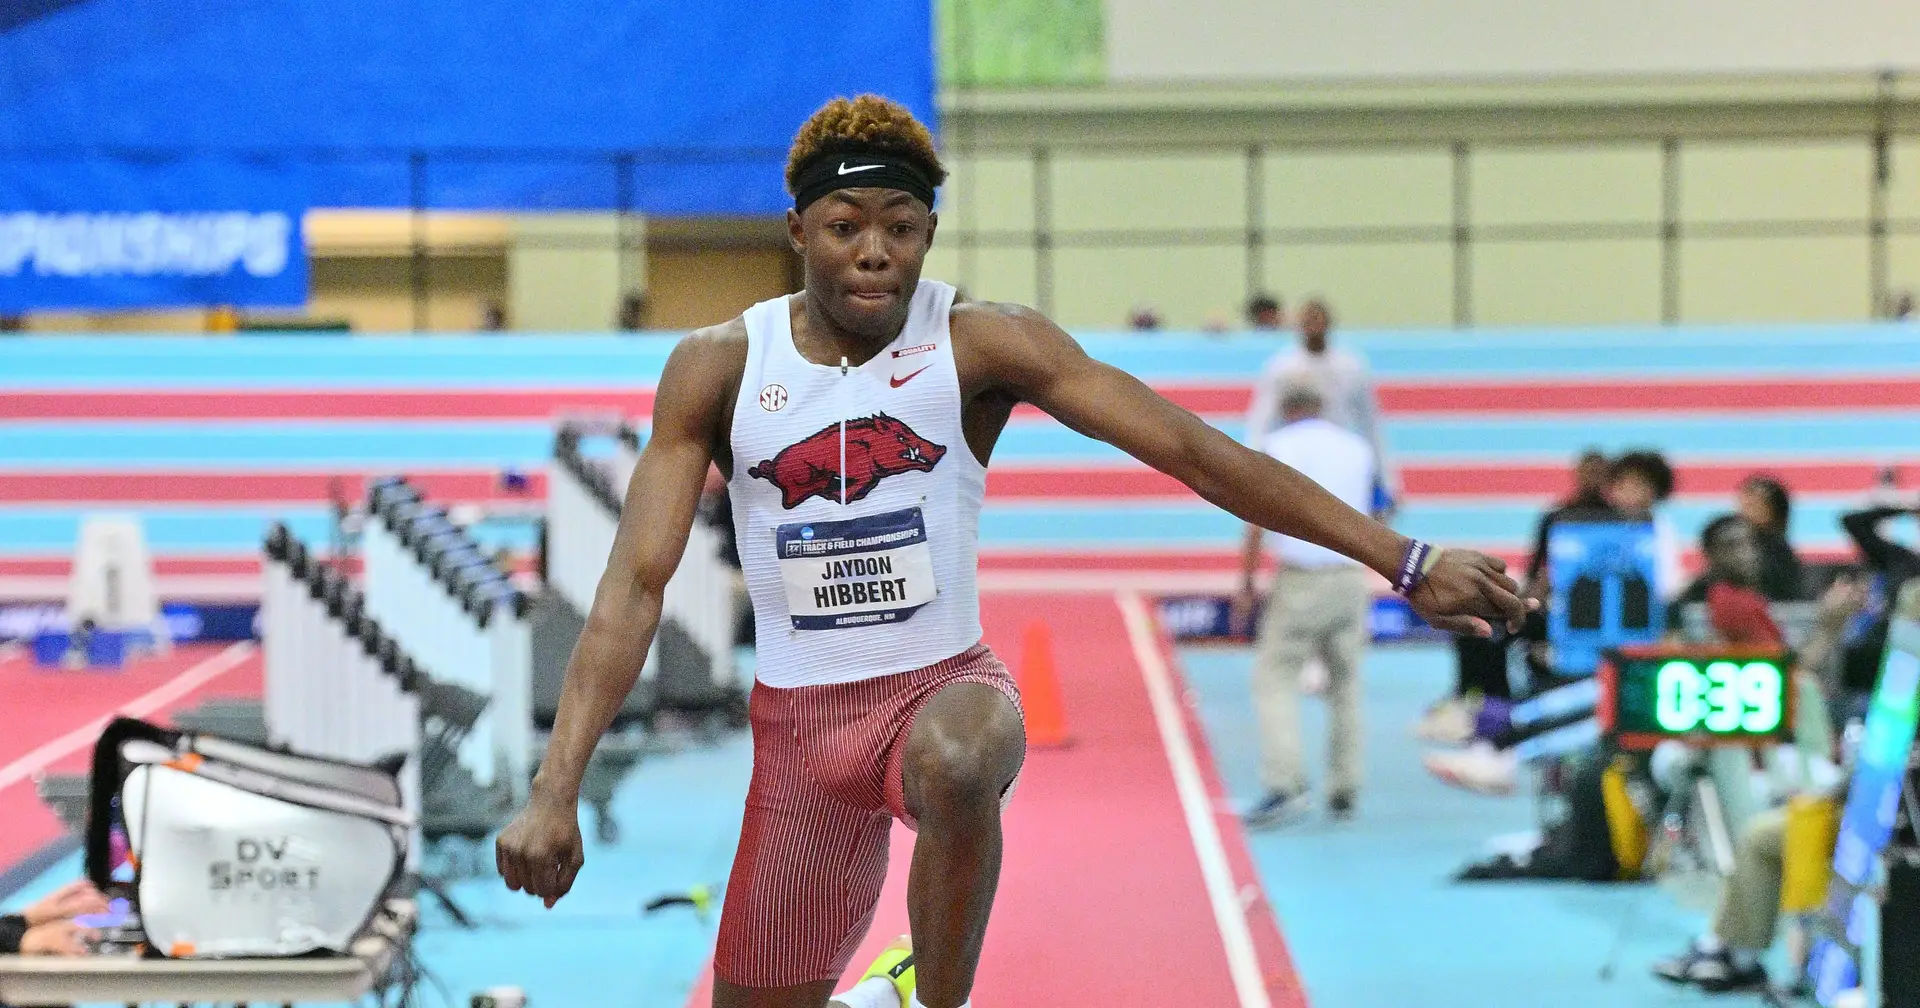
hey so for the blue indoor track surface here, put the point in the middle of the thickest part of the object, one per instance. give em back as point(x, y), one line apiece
point(531, 359)
point(1366, 906)
point(1369, 915)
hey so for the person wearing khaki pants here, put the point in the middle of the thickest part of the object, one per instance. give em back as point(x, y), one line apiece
point(1317, 610)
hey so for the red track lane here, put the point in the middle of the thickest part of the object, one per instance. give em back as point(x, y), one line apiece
point(42, 706)
point(1453, 479)
point(323, 404)
point(1101, 898)
point(1744, 395)
point(1462, 396)
point(251, 487)
point(165, 565)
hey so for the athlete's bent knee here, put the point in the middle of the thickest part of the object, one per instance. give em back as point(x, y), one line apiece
point(963, 755)
point(954, 774)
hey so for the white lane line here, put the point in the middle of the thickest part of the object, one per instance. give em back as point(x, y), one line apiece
point(160, 696)
point(1243, 963)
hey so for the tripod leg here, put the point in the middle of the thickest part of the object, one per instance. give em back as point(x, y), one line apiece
point(438, 889)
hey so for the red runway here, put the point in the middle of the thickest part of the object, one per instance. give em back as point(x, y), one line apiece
point(1125, 871)
point(1636, 394)
point(54, 717)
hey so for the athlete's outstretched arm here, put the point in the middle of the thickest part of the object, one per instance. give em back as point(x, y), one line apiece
point(541, 851)
point(1036, 361)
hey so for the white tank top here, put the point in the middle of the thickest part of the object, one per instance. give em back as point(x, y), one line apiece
point(856, 502)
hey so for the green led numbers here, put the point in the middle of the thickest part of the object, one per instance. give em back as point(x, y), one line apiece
point(1677, 705)
point(1724, 698)
point(1760, 691)
point(1723, 705)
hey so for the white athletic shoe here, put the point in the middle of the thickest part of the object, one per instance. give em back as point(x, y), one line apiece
point(1480, 768)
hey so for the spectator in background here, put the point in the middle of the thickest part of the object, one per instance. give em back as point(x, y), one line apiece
point(1144, 319)
point(1731, 546)
point(1766, 505)
point(493, 318)
point(632, 316)
point(1727, 956)
point(1560, 720)
point(1900, 306)
point(1264, 312)
point(1587, 502)
point(1889, 567)
point(1637, 483)
point(1318, 609)
point(1480, 663)
point(1346, 389)
point(48, 927)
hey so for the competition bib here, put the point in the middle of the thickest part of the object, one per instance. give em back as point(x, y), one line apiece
point(857, 572)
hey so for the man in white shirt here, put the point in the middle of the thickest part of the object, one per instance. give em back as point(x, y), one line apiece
point(1317, 611)
point(1346, 387)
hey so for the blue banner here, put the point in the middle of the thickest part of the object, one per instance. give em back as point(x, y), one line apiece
point(187, 622)
point(106, 234)
point(661, 107)
point(1603, 592)
point(1208, 618)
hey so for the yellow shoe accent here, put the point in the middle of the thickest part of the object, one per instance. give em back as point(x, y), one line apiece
point(895, 965)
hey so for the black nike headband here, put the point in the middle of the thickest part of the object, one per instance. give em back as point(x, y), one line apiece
point(829, 172)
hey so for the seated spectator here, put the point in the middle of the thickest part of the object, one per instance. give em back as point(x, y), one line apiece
point(1764, 502)
point(1635, 483)
point(1889, 566)
point(1727, 956)
point(1638, 482)
point(1560, 720)
point(48, 928)
point(1731, 546)
point(1480, 663)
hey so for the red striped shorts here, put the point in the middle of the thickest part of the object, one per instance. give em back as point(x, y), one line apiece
point(827, 765)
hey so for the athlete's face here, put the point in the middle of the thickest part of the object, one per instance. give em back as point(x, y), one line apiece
point(863, 250)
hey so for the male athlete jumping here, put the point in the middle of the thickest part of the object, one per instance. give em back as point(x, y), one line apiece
point(854, 421)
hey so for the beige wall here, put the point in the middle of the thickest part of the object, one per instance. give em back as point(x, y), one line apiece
point(1565, 204)
point(375, 293)
point(1269, 39)
point(566, 272)
point(690, 288)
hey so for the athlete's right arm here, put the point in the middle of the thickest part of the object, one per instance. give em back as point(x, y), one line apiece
point(541, 851)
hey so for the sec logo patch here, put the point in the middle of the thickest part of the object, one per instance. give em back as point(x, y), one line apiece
point(773, 398)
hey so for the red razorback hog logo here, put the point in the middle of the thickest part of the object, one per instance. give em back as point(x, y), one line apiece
point(877, 447)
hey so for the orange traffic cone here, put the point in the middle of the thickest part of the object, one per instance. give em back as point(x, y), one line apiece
point(1040, 689)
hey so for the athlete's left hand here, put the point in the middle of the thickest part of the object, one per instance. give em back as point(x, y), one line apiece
point(69, 901)
point(1466, 592)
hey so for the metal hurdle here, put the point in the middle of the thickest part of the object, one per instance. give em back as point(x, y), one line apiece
point(335, 684)
point(584, 501)
point(460, 618)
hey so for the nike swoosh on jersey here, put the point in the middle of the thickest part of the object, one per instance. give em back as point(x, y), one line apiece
point(897, 381)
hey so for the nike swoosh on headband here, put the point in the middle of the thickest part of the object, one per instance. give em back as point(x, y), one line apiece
point(844, 170)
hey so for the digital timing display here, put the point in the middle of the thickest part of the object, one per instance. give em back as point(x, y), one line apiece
point(1724, 696)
